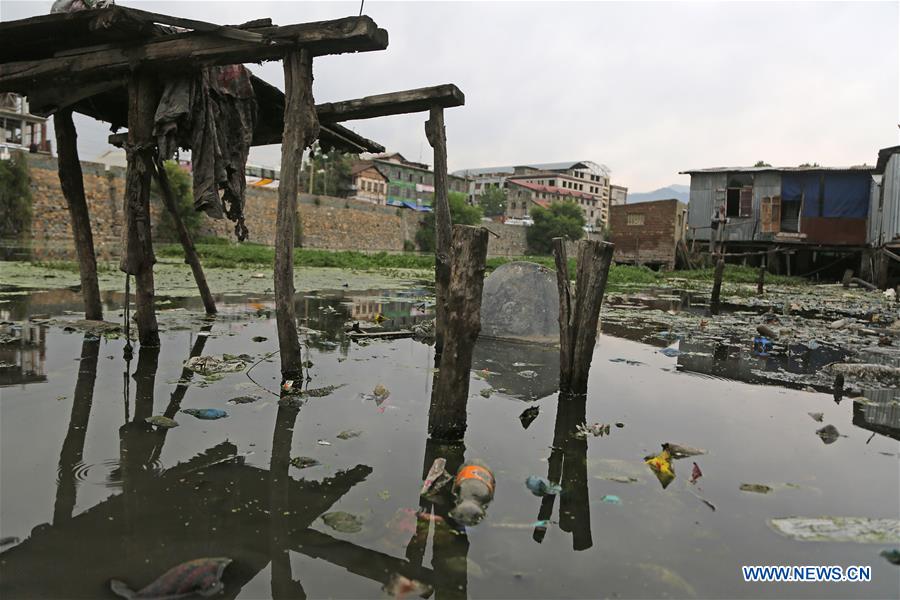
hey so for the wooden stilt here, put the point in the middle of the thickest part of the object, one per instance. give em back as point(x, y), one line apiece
point(761, 282)
point(138, 258)
point(437, 138)
point(184, 236)
point(72, 184)
point(714, 300)
point(301, 127)
point(579, 311)
point(447, 415)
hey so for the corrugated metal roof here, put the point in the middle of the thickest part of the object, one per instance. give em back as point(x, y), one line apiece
point(883, 155)
point(862, 168)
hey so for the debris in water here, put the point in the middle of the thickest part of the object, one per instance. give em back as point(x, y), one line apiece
point(829, 434)
point(529, 415)
point(400, 587)
point(349, 433)
point(672, 350)
point(343, 521)
point(696, 473)
point(473, 490)
point(756, 488)
point(527, 374)
point(621, 478)
point(541, 486)
point(384, 494)
point(661, 465)
point(379, 394)
point(486, 392)
point(202, 576)
point(630, 363)
point(207, 414)
point(259, 338)
point(620, 425)
point(839, 529)
point(161, 421)
point(323, 442)
point(243, 400)
point(678, 451)
point(596, 429)
point(611, 499)
point(892, 555)
point(302, 462)
point(817, 416)
point(211, 365)
point(436, 479)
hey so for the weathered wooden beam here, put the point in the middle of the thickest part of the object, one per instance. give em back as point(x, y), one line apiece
point(226, 31)
point(138, 258)
point(394, 103)
point(301, 128)
point(714, 299)
point(447, 415)
point(579, 311)
point(72, 183)
point(437, 138)
point(192, 50)
point(190, 252)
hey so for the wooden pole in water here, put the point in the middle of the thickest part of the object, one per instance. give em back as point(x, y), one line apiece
point(184, 236)
point(717, 287)
point(579, 311)
point(447, 415)
point(761, 282)
point(437, 138)
point(138, 258)
point(72, 183)
point(301, 128)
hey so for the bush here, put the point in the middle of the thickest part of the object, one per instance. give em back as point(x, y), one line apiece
point(409, 246)
point(460, 214)
point(15, 197)
point(182, 190)
point(561, 219)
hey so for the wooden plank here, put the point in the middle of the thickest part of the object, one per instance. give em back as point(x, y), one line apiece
point(437, 137)
point(394, 103)
point(192, 50)
point(380, 335)
point(222, 30)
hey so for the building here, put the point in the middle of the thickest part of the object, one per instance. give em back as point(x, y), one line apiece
point(884, 207)
point(648, 233)
point(369, 183)
point(409, 183)
point(522, 195)
point(823, 206)
point(21, 130)
point(618, 194)
point(584, 176)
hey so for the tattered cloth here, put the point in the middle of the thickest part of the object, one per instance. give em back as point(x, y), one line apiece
point(213, 113)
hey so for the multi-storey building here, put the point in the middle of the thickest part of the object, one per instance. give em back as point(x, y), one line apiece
point(410, 183)
point(369, 183)
point(585, 182)
point(20, 129)
point(522, 195)
point(618, 195)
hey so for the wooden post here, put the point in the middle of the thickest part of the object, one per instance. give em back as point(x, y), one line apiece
point(761, 282)
point(437, 138)
point(447, 415)
point(717, 287)
point(848, 275)
point(184, 236)
point(882, 264)
point(138, 258)
point(72, 184)
point(301, 128)
point(579, 312)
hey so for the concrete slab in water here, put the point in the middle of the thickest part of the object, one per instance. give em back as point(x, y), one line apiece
point(520, 302)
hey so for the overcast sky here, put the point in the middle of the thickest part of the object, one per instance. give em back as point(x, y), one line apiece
point(648, 89)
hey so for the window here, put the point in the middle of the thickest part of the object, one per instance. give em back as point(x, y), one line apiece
point(634, 219)
point(739, 201)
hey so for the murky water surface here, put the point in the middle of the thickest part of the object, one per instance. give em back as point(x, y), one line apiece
point(93, 493)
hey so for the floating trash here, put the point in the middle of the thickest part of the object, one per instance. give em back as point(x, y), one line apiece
point(161, 421)
point(343, 521)
point(348, 434)
point(541, 486)
point(207, 414)
point(303, 462)
point(839, 529)
point(611, 499)
point(202, 576)
point(756, 488)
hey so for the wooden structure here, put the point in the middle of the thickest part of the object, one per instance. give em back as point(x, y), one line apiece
point(110, 63)
point(579, 309)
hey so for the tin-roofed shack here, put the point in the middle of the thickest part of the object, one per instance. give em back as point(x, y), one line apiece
point(823, 206)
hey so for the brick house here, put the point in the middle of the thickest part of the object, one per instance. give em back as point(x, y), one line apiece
point(369, 183)
point(647, 233)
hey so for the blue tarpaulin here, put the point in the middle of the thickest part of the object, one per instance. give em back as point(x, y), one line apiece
point(846, 195)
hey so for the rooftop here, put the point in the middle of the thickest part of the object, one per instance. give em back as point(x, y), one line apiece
point(862, 168)
point(537, 187)
point(595, 168)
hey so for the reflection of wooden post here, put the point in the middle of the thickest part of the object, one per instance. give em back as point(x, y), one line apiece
point(280, 520)
point(447, 416)
point(138, 259)
point(579, 311)
point(72, 183)
point(437, 138)
point(184, 236)
point(301, 127)
point(717, 287)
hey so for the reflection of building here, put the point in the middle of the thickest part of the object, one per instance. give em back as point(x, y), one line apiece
point(21, 129)
point(23, 360)
point(506, 360)
point(878, 411)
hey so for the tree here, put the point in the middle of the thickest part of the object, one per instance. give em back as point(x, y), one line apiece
point(460, 214)
point(183, 190)
point(562, 219)
point(815, 164)
point(493, 202)
point(762, 163)
point(330, 173)
point(15, 197)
